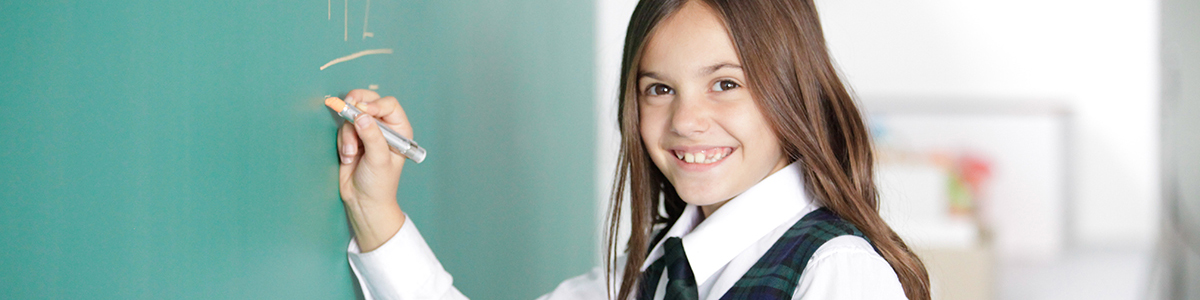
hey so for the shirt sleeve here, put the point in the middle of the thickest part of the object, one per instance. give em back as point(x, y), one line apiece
point(405, 268)
point(589, 286)
point(845, 268)
point(402, 268)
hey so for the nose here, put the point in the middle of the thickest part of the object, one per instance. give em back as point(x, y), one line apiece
point(691, 115)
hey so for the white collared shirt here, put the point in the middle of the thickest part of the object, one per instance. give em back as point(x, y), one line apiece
point(720, 249)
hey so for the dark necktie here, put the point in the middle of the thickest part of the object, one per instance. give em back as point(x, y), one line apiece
point(681, 283)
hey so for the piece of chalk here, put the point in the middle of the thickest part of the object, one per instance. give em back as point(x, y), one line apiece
point(335, 104)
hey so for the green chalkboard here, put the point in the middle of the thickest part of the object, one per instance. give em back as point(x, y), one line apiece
point(180, 149)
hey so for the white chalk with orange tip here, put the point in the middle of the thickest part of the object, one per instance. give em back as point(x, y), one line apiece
point(405, 146)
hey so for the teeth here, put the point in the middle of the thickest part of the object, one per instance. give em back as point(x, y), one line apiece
point(700, 157)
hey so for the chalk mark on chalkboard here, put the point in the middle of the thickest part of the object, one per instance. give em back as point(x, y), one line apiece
point(356, 55)
point(329, 10)
point(373, 87)
point(366, 16)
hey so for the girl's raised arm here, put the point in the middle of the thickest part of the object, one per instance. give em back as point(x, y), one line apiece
point(369, 174)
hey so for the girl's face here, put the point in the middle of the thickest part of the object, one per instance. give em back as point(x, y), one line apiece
point(699, 122)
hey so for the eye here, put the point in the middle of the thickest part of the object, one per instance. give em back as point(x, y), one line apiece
point(724, 85)
point(659, 89)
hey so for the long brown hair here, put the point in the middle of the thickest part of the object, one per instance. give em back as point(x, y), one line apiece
point(789, 73)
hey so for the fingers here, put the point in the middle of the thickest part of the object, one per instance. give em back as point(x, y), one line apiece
point(375, 147)
point(348, 144)
point(361, 95)
point(349, 150)
point(388, 110)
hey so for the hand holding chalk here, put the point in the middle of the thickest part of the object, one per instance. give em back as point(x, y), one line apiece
point(401, 144)
point(370, 170)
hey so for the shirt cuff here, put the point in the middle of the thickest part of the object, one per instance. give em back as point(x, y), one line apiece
point(402, 268)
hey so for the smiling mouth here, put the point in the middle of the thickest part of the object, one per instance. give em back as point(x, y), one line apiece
point(706, 156)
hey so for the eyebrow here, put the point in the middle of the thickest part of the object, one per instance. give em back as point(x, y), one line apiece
point(649, 74)
point(703, 72)
point(714, 68)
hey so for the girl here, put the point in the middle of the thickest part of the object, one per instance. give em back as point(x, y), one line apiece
point(747, 165)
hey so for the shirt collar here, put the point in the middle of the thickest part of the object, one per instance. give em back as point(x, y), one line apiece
point(711, 243)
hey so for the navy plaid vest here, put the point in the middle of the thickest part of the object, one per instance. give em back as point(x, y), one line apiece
point(777, 272)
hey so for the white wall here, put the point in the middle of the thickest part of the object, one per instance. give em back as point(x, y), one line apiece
point(612, 16)
point(1099, 58)
point(1180, 259)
